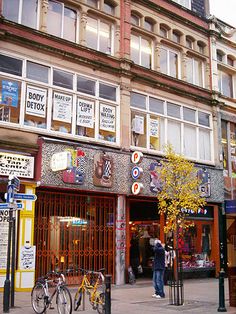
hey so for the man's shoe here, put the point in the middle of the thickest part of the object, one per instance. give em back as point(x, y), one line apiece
point(158, 296)
point(154, 295)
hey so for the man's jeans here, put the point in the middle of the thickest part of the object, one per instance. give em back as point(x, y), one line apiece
point(158, 282)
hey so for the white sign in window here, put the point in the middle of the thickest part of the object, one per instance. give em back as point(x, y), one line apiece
point(107, 118)
point(138, 124)
point(85, 113)
point(36, 101)
point(62, 107)
point(18, 165)
point(154, 128)
point(27, 257)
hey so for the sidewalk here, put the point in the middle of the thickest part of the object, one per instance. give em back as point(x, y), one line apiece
point(200, 296)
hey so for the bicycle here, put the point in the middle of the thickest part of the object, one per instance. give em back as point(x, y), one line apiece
point(41, 298)
point(96, 296)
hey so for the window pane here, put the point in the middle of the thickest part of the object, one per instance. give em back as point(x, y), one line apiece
point(163, 32)
point(174, 135)
point(156, 105)
point(146, 52)
point(227, 89)
point(107, 123)
point(176, 37)
point(11, 10)
point(198, 72)
point(173, 110)
point(138, 101)
point(148, 25)
point(93, 3)
point(189, 114)
point(135, 20)
point(204, 144)
point(154, 132)
point(135, 49)
point(203, 118)
point(190, 70)
point(173, 60)
point(108, 8)
point(69, 24)
point(138, 128)
point(190, 141)
point(62, 79)
point(54, 18)
point(85, 85)
point(36, 100)
point(163, 61)
point(10, 94)
point(10, 65)
point(61, 112)
point(105, 38)
point(107, 92)
point(29, 13)
point(85, 117)
point(37, 72)
point(92, 33)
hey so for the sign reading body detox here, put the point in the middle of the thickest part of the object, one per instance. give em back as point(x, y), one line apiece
point(36, 101)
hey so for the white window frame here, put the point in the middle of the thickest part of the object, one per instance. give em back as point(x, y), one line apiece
point(140, 37)
point(180, 120)
point(75, 94)
point(180, 2)
point(193, 64)
point(168, 61)
point(220, 82)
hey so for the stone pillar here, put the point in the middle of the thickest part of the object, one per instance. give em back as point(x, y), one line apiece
point(183, 65)
point(125, 114)
point(120, 239)
point(157, 51)
point(117, 41)
point(43, 16)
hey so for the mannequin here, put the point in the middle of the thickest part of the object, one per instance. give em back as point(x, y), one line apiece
point(206, 242)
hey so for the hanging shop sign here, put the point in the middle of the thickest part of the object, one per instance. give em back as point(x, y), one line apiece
point(76, 173)
point(62, 107)
point(15, 164)
point(136, 157)
point(205, 182)
point(206, 212)
point(103, 170)
point(10, 93)
point(36, 99)
point(136, 172)
point(137, 188)
point(61, 161)
point(107, 118)
point(85, 113)
point(155, 183)
point(230, 207)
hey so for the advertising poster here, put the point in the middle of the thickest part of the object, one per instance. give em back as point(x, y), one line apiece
point(27, 257)
point(107, 118)
point(10, 93)
point(18, 165)
point(36, 101)
point(154, 127)
point(85, 113)
point(62, 107)
point(4, 226)
point(138, 124)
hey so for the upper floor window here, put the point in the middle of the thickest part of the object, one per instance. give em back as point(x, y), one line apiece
point(163, 31)
point(99, 35)
point(169, 62)
point(109, 8)
point(201, 47)
point(230, 61)
point(141, 51)
point(184, 3)
point(37, 72)
point(225, 83)
point(135, 19)
point(21, 11)
point(189, 42)
point(148, 25)
point(61, 21)
point(10, 65)
point(176, 37)
point(93, 3)
point(219, 55)
point(194, 71)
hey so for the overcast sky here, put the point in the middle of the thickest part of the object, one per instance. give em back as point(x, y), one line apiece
point(225, 10)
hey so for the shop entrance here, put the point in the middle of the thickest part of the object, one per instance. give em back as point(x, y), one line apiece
point(74, 230)
point(144, 227)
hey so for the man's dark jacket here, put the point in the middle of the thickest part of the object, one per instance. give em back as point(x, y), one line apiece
point(159, 257)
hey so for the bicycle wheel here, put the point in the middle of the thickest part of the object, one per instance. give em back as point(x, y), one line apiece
point(38, 298)
point(78, 299)
point(100, 303)
point(64, 301)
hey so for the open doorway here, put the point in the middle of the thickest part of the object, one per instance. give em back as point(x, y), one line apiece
point(144, 227)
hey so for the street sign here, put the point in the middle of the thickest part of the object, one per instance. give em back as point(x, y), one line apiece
point(12, 206)
point(22, 196)
point(4, 205)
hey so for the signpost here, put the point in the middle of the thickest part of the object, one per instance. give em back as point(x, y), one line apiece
point(11, 197)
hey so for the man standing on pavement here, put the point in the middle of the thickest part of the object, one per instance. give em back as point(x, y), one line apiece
point(158, 270)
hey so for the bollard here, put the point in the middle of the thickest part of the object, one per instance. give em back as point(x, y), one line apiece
point(221, 307)
point(107, 294)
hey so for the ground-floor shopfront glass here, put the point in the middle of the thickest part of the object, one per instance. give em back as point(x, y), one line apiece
point(74, 230)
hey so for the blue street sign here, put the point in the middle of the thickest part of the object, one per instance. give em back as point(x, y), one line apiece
point(22, 196)
point(4, 206)
point(19, 205)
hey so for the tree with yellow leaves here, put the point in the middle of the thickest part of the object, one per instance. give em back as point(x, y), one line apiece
point(179, 190)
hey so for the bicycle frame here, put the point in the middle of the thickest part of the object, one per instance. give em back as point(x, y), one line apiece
point(61, 281)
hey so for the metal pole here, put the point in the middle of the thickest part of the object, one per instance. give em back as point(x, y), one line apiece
point(221, 307)
point(13, 257)
point(107, 294)
point(7, 283)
